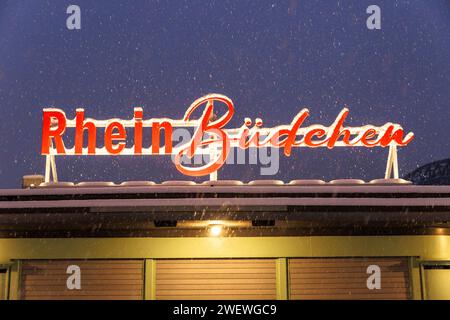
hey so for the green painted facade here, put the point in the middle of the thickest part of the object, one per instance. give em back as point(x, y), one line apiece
point(422, 251)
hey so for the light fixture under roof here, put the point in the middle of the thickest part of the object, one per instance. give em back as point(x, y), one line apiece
point(215, 230)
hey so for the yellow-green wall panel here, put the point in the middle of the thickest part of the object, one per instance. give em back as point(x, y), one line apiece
point(282, 279)
point(425, 247)
point(436, 283)
point(150, 279)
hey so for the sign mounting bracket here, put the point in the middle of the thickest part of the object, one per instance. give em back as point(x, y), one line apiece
point(50, 166)
point(392, 163)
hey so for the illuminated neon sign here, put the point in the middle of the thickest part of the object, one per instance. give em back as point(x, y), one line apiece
point(209, 132)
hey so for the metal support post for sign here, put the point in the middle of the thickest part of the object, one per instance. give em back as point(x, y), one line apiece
point(213, 176)
point(212, 148)
point(392, 163)
point(212, 154)
point(50, 165)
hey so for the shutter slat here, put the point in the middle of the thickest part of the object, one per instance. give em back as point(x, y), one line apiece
point(216, 279)
point(100, 280)
point(346, 278)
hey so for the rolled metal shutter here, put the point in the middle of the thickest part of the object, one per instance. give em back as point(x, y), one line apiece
point(3, 284)
point(100, 280)
point(346, 278)
point(216, 279)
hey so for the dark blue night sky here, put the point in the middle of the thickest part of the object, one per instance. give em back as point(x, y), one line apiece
point(271, 57)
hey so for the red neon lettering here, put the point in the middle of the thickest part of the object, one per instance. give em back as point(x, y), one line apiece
point(319, 133)
point(397, 136)
point(156, 131)
point(214, 128)
point(210, 132)
point(111, 137)
point(79, 130)
point(290, 140)
point(367, 136)
point(337, 132)
point(138, 115)
point(48, 132)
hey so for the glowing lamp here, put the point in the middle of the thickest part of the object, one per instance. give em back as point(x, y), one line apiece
point(215, 230)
